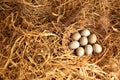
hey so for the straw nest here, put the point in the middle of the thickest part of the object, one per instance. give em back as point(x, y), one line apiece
point(34, 37)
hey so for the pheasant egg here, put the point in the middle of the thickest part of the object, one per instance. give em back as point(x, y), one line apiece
point(74, 45)
point(85, 32)
point(92, 39)
point(80, 51)
point(88, 49)
point(83, 41)
point(97, 48)
point(76, 36)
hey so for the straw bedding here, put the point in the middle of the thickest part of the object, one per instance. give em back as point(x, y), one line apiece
point(34, 37)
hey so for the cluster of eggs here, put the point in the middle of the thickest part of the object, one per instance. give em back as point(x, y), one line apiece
point(85, 42)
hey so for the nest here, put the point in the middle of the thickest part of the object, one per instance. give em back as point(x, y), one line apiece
point(77, 28)
point(34, 37)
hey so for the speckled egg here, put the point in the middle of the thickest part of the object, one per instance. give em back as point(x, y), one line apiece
point(92, 39)
point(97, 48)
point(80, 51)
point(88, 49)
point(74, 45)
point(83, 41)
point(76, 36)
point(85, 32)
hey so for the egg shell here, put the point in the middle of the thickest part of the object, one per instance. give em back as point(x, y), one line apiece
point(88, 49)
point(83, 41)
point(74, 45)
point(97, 48)
point(85, 32)
point(76, 36)
point(80, 51)
point(92, 39)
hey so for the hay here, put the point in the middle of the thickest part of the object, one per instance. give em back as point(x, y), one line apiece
point(34, 37)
